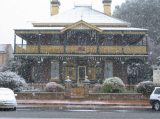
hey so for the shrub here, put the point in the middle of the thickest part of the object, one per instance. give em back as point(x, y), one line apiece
point(97, 88)
point(54, 87)
point(145, 87)
point(11, 80)
point(113, 85)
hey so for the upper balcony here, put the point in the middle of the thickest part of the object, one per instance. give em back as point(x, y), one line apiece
point(81, 49)
point(81, 42)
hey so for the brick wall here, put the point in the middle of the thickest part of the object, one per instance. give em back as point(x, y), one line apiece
point(116, 96)
point(41, 95)
point(90, 96)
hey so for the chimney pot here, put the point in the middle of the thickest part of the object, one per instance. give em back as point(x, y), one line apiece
point(54, 7)
point(107, 7)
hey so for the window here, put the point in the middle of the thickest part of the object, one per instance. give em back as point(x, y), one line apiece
point(157, 91)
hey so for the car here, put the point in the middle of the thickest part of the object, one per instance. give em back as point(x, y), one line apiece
point(155, 99)
point(7, 99)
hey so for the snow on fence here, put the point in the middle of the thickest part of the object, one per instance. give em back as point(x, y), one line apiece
point(40, 87)
point(35, 87)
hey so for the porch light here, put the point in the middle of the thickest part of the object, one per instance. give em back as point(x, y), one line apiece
point(53, 61)
point(150, 53)
point(68, 85)
point(86, 81)
point(68, 80)
point(41, 59)
point(137, 64)
point(122, 62)
point(64, 62)
point(97, 62)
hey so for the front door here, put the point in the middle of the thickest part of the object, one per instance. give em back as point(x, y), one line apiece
point(81, 74)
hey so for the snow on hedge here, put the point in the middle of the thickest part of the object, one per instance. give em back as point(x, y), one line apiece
point(113, 85)
point(54, 87)
point(145, 87)
point(11, 80)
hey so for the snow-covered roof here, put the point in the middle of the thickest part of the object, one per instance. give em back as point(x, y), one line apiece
point(85, 13)
point(122, 29)
point(6, 48)
point(40, 28)
point(102, 28)
point(3, 48)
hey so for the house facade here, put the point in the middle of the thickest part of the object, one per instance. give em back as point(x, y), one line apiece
point(6, 53)
point(80, 42)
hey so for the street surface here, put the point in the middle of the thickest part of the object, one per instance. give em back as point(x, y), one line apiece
point(80, 114)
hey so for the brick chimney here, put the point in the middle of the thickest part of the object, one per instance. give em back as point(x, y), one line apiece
point(107, 7)
point(54, 7)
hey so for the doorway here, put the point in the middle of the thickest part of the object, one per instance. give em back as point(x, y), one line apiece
point(81, 74)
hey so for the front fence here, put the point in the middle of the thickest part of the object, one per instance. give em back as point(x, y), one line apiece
point(38, 87)
point(35, 87)
point(37, 91)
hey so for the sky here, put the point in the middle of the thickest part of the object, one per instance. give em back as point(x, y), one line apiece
point(16, 13)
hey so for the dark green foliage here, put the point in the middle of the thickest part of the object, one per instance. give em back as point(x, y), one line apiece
point(145, 87)
point(158, 61)
point(138, 72)
point(141, 13)
point(108, 89)
point(25, 70)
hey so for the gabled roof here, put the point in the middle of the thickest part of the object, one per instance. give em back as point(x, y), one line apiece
point(81, 25)
point(85, 13)
point(80, 17)
point(4, 48)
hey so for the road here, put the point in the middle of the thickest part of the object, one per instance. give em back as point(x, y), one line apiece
point(80, 114)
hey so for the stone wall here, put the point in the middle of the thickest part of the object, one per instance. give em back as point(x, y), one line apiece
point(116, 96)
point(40, 95)
point(90, 96)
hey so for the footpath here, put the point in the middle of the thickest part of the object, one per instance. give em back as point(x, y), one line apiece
point(83, 104)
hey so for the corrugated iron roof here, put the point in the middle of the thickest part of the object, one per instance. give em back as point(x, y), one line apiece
point(85, 13)
point(102, 28)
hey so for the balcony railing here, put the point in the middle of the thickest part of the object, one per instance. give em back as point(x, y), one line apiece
point(123, 49)
point(110, 49)
point(81, 49)
point(51, 49)
point(77, 49)
point(26, 49)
